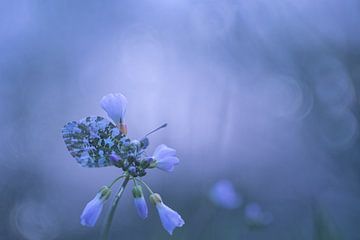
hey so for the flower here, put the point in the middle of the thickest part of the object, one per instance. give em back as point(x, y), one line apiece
point(165, 158)
point(169, 218)
point(93, 209)
point(224, 195)
point(139, 202)
point(114, 105)
point(255, 216)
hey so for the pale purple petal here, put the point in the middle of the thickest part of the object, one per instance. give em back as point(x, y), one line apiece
point(167, 164)
point(164, 151)
point(115, 106)
point(165, 158)
point(92, 211)
point(141, 207)
point(169, 218)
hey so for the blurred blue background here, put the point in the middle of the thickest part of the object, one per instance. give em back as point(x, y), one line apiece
point(260, 95)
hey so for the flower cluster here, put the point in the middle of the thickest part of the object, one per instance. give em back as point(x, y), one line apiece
point(95, 142)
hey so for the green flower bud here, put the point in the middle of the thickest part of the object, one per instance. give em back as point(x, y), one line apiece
point(153, 164)
point(155, 198)
point(105, 192)
point(136, 143)
point(137, 191)
point(144, 143)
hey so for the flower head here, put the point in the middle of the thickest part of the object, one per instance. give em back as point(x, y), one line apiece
point(224, 195)
point(93, 208)
point(97, 142)
point(165, 158)
point(114, 105)
point(169, 218)
point(139, 202)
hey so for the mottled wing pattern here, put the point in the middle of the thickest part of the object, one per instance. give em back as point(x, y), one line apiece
point(92, 140)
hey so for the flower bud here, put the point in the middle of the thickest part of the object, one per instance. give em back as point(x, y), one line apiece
point(145, 163)
point(144, 143)
point(141, 173)
point(114, 157)
point(170, 219)
point(139, 202)
point(132, 170)
point(105, 192)
point(155, 198)
point(94, 208)
point(137, 191)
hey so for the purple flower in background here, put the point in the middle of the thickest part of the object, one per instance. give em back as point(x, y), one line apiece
point(224, 195)
point(165, 158)
point(93, 208)
point(256, 216)
point(114, 105)
point(170, 219)
point(139, 202)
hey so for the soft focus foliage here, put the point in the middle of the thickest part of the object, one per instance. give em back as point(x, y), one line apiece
point(263, 93)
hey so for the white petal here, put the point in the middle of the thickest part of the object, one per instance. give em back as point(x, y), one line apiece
point(92, 211)
point(163, 151)
point(167, 164)
point(115, 106)
point(169, 218)
point(141, 207)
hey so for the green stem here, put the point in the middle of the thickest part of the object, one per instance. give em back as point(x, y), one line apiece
point(135, 183)
point(143, 183)
point(113, 208)
point(115, 180)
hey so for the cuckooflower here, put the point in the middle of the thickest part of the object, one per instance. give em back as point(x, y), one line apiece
point(224, 195)
point(114, 105)
point(139, 202)
point(165, 158)
point(93, 209)
point(169, 218)
point(96, 142)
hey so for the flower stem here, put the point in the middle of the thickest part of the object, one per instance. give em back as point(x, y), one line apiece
point(143, 183)
point(116, 179)
point(110, 217)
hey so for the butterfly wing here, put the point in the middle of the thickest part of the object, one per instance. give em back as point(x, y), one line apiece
point(92, 140)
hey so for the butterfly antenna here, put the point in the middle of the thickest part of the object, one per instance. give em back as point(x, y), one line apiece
point(162, 126)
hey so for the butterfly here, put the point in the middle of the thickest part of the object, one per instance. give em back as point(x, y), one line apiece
point(92, 141)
